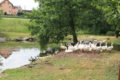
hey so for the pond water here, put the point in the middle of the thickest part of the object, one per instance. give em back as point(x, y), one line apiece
point(19, 58)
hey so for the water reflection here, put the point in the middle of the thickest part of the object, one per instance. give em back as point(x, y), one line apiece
point(19, 58)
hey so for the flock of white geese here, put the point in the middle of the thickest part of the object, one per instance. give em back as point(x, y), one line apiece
point(88, 46)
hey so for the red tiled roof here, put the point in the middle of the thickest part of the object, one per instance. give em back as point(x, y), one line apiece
point(6, 0)
point(9, 2)
point(2, 1)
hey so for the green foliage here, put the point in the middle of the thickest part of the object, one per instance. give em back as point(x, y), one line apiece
point(56, 19)
point(110, 33)
point(111, 12)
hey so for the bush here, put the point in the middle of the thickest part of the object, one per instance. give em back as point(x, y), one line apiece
point(110, 33)
point(108, 38)
point(20, 14)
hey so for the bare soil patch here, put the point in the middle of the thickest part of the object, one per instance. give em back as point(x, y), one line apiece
point(65, 69)
point(42, 63)
point(74, 55)
point(46, 63)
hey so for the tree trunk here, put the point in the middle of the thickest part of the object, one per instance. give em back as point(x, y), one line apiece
point(117, 34)
point(116, 31)
point(72, 25)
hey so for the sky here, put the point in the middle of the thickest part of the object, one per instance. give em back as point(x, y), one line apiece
point(25, 4)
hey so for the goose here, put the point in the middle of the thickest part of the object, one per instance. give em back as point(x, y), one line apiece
point(99, 48)
point(70, 46)
point(63, 47)
point(81, 46)
point(69, 49)
point(86, 48)
point(104, 47)
point(90, 47)
point(76, 46)
point(94, 47)
point(110, 47)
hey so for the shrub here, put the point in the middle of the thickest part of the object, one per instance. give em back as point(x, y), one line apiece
point(108, 38)
point(110, 33)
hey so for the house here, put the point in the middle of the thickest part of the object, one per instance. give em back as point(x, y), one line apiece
point(8, 8)
point(29, 11)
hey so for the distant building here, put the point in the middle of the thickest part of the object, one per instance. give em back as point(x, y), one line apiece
point(8, 8)
point(27, 11)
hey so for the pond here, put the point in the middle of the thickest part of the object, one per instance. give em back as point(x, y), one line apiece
point(19, 58)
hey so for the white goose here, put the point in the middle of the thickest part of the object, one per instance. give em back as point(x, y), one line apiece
point(110, 47)
point(94, 46)
point(87, 47)
point(63, 47)
point(76, 46)
point(90, 47)
point(104, 47)
point(99, 48)
point(81, 46)
point(69, 49)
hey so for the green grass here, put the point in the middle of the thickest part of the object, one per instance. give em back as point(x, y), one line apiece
point(69, 68)
point(101, 67)
point(25, 45)
point(65, 68)
point(13, 16)
point(14, 27)
point(19, 45)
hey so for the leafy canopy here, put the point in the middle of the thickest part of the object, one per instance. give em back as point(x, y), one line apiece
point(56, 19)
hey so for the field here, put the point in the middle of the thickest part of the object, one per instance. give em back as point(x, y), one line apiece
point(73, 66)
point(14, 27)
point(69, 67)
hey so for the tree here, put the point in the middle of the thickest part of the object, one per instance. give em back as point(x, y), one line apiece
point(93, 19)
point(54, 20)
point(114, 15)
point(111, 9)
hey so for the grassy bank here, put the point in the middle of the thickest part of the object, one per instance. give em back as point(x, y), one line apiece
point(74, 66)
point(14, 27)
point(69, 67)
point(102, 66)
point(19, 45)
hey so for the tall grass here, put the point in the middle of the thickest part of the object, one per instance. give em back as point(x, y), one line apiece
point(68, 68)
point(14, 27)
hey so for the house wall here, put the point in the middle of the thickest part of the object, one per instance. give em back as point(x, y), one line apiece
point(8, 8)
